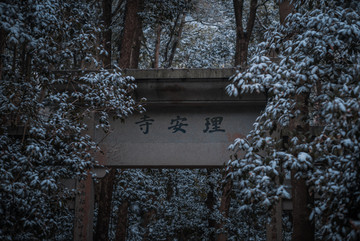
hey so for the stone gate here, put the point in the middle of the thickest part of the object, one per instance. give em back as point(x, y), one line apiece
point(189, 123)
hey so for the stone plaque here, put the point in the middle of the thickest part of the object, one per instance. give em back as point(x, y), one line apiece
point(177, 137)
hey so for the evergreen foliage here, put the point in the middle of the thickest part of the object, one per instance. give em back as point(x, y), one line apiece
point(313, 98)
point(43, 136)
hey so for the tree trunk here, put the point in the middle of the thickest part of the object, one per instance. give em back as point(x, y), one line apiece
point(135, 55)
point(169, 195)
point(25, 65)
point(157, 47)
point(131, 39)
point(243, 36)
point(176, 40)
point(107, 17)
point(121, 227)
point(104, 211)
point(22, 65)
point(147, 218)
point(285, 8)
point(303, 229)
point(224, 209)
point(241, 52)
point(2, 47)
point(14, 59)
point(28, 66)
point(172, 33)
point(210, 203)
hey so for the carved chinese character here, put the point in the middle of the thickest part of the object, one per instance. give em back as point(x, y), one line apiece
point(213, 124)
point(144, 124)
point(177, 124)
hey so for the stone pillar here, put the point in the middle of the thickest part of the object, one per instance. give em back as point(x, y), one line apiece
point(274, 228)
point(84, 210)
